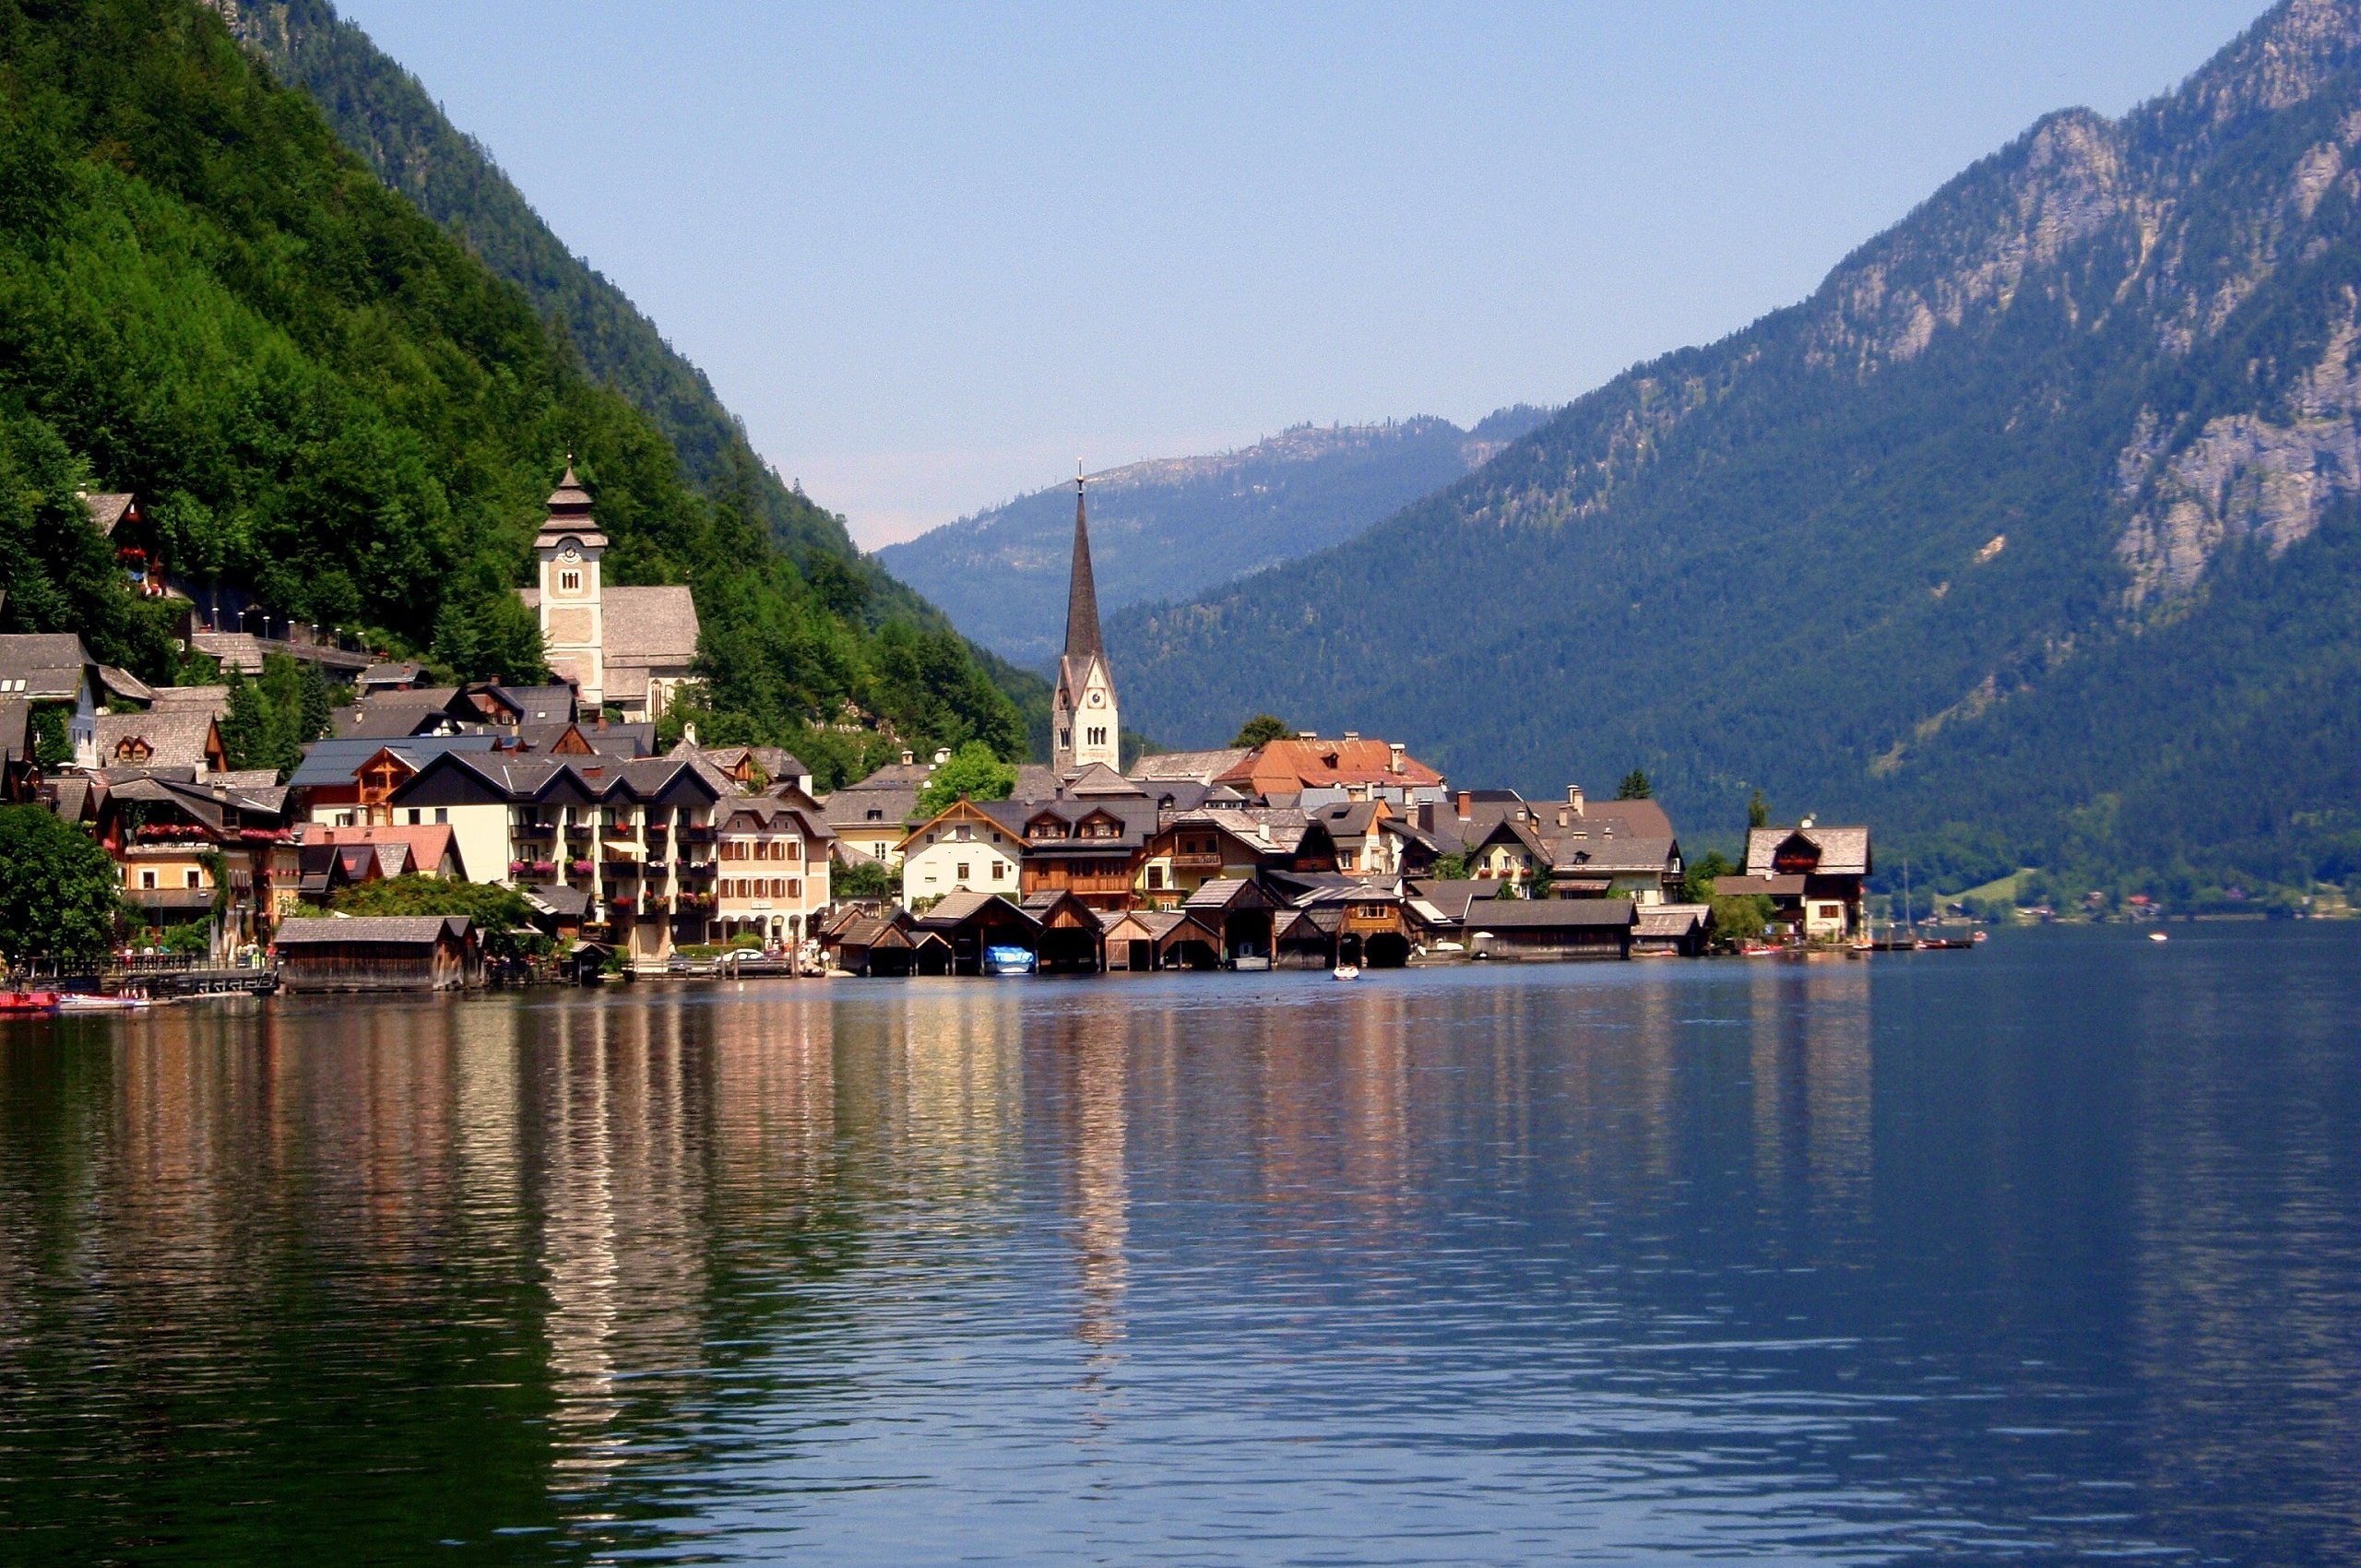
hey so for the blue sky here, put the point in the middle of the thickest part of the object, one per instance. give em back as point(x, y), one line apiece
point(932, 254)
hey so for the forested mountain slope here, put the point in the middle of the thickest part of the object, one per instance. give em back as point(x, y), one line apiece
point(1177, 525)
point(206, 299)
point(2032, 534)
point(383, 114)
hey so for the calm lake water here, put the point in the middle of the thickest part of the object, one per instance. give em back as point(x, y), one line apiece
point(2045, 1251)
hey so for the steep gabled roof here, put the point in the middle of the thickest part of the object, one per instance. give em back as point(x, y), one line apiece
point(1844, 852)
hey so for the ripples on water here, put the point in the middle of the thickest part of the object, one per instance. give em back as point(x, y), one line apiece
point(2043, 1252)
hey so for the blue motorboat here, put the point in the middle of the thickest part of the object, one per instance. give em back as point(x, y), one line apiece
point(1009, 961)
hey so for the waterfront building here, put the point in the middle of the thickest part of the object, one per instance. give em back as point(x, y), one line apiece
point(1084, 724)
point(634, 835)
point(771, 874)
point(379, 952)
point(1089, 845)
point(169, 835)
point(630, 649)
point(1812, 875)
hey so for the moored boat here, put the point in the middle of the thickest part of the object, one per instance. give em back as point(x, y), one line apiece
point(27, 1003)
point(1345, 972)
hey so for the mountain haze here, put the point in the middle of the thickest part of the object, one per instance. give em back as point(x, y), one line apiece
point(2032, 533)
point(1178, 524)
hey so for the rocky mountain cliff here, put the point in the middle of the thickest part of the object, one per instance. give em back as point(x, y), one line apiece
point(2029, 534)
point(1176, 525)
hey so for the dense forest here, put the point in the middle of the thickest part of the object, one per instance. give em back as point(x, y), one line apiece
point(2029, 537)
point(204, 297)
point(1176, 525)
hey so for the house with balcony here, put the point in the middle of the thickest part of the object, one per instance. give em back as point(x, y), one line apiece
point(771, 858)
point(176, 842)
point(635, 834)
point(1813, 876)
point(1089, 847)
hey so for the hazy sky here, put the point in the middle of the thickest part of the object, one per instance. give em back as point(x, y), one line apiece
point(932, 254)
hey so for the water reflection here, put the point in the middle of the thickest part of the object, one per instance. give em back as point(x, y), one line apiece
point(2049, 1252)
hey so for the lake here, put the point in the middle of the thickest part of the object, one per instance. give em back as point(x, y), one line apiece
point(2048, 1251)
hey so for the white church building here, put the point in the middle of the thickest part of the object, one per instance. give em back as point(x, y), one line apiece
point(629, 649)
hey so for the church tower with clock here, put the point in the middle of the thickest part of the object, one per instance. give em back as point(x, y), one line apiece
point(1083, 728)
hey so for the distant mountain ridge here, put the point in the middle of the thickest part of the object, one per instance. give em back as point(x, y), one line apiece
point(2033, 535)
point(1172, 525)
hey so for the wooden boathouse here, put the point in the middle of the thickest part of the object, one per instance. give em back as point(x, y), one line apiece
point(379, 952)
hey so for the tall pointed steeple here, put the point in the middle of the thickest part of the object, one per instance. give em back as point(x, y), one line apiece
point(1082, 591)
point(1084, 728)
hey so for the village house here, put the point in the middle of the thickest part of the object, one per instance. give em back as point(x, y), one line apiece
point(966, 848)
point(872, 818)
point(1813, 876)
point(169, 837)
point(1281, 771)
point(635, 834)
point(1089, 847)
point(772, 871)
point(1193, 848)
point(630, 649)
point(59, 682)
point(179, 735)
point(329, 859)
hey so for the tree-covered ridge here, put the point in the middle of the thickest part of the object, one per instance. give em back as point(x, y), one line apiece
point(1175, 525)
point(206, 299)
point(383, 114)
point(2080, 431)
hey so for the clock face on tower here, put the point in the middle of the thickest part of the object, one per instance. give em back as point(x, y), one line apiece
point(1098, 699)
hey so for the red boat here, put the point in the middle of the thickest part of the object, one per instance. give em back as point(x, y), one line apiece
point(27, 1003)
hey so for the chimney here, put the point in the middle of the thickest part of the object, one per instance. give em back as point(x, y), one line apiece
point(1574, 798)
point(1425, 816)
point(908, 756)
point(1307, 734)
point(1563, 813)
point(1352, 735)
point(1394, 758)
point(1466, 800)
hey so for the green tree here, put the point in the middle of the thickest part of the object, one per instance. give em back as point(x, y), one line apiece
point(315, 704)
point(1757, 814)
point(972, 774)
point(59, 893)
point(1704, 871)
point(499, 914)
point(1450, 868)
point(1635, 787)
point(870, 879)
point(1739, 920)
point(260, 727)
point(1261, 731)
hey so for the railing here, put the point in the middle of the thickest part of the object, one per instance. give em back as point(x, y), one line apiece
point(694, 833)
point(620, 870)
point(533, 830)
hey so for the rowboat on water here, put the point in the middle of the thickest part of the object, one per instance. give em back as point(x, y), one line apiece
point(1345, 972)
point(27, 1003)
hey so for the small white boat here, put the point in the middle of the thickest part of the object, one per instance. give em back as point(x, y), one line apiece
point(1250, 962)
point(2158, 936)
point(1346, 971)
point(72, 1002)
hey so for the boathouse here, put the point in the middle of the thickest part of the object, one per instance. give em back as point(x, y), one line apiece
point(379, 952)
point(1548, 929)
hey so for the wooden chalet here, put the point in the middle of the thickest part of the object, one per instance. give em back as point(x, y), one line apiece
point(1092, 848)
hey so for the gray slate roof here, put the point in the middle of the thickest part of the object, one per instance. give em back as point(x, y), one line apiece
point(176, 737)
point(1844, 852)
point(334, 761)
point(1199, 767)
point(53, 665)
point(387, 930)
point(1543, 914)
